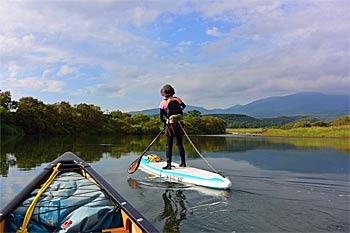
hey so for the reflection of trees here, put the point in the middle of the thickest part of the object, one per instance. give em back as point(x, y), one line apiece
point(230, 144)
point(6, 161)
point(241, 144)
point(32, 151)
point(174, 210)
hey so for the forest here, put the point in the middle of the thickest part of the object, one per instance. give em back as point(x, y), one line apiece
point(30, 116)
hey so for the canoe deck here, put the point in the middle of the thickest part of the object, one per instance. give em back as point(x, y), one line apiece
point(70, 196)
point(69, 199)
point(185, 174)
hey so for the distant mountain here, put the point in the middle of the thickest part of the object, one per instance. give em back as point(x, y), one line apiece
point(306, 103)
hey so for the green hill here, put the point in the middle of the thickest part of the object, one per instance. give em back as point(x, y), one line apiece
point(244, 121)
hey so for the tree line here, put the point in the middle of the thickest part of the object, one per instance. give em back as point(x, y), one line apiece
point(30, 116)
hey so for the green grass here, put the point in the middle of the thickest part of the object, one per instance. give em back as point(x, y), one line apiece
point(244, 131)
point(334, 131)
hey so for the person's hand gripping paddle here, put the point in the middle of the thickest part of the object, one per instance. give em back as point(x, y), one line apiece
point(135, 165)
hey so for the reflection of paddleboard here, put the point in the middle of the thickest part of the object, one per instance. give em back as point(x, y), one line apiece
point(190, 175)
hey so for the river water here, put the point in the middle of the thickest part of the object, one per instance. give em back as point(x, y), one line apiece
point(278, 184)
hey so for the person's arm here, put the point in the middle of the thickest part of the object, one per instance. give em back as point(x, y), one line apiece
point(162, 115)
point(183, 105)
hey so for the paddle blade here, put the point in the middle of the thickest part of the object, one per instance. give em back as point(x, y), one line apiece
point(133, 167)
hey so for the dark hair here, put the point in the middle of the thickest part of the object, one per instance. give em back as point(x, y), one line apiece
point(167, 90)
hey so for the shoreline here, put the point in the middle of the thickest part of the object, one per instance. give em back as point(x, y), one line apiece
point(342, 131)
point(285, 136)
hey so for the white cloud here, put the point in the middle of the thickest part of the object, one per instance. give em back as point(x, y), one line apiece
point(243, 50)
point(102, 89)
point(47, 72)
point(141, 16)
point(12, 47)
point(186, 43)
point(214, 32)
point(35, 84)
point(13, 70)
point(65, 70)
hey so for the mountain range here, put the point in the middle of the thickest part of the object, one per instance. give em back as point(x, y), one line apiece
point(305, 103)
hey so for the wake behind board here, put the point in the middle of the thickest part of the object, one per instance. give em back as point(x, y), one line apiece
point(184, 174)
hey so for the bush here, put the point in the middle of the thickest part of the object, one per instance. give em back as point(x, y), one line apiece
point(287, 126)
point(320, 124)
point(344, 120)
point(302, 124)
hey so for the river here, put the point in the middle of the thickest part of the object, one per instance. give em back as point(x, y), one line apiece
point(278, 184)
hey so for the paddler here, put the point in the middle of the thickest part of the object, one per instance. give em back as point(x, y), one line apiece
point(171, 113)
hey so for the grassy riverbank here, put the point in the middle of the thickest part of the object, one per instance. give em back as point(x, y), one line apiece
point(331, 131)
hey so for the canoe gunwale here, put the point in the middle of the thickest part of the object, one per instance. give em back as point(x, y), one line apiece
point(70, 161)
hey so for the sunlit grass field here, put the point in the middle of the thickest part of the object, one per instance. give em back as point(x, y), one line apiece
point(244, 131)
point(334, 136)
point(332, 131)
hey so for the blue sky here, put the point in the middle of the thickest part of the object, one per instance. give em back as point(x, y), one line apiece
point(216, 54)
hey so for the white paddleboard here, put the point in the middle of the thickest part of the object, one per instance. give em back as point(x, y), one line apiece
point(185, 174)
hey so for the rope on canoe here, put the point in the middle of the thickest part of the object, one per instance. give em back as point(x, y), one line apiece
point(29, 212)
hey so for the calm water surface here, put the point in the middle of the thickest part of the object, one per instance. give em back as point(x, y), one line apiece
point(278, 185)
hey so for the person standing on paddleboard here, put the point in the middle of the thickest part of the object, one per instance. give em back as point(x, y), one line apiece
point(171, 112)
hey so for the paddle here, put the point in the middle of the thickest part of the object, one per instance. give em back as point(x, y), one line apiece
point(135, 165)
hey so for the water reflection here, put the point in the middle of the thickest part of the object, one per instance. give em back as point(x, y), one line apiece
point(174, 200)
point(272, 178)
point(31, 152)
point(174, 210)
point(133, 183)
point(10, 160)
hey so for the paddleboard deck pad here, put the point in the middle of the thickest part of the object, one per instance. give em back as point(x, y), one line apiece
point(153, 164)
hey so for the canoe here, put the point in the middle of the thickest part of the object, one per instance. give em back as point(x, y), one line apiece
point(70, 196)
point(153, 164)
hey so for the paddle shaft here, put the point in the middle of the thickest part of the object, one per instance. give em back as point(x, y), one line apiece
point(155, 139)
point(136, 163)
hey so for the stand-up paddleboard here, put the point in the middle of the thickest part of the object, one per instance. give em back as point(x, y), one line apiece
point(152, 164)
